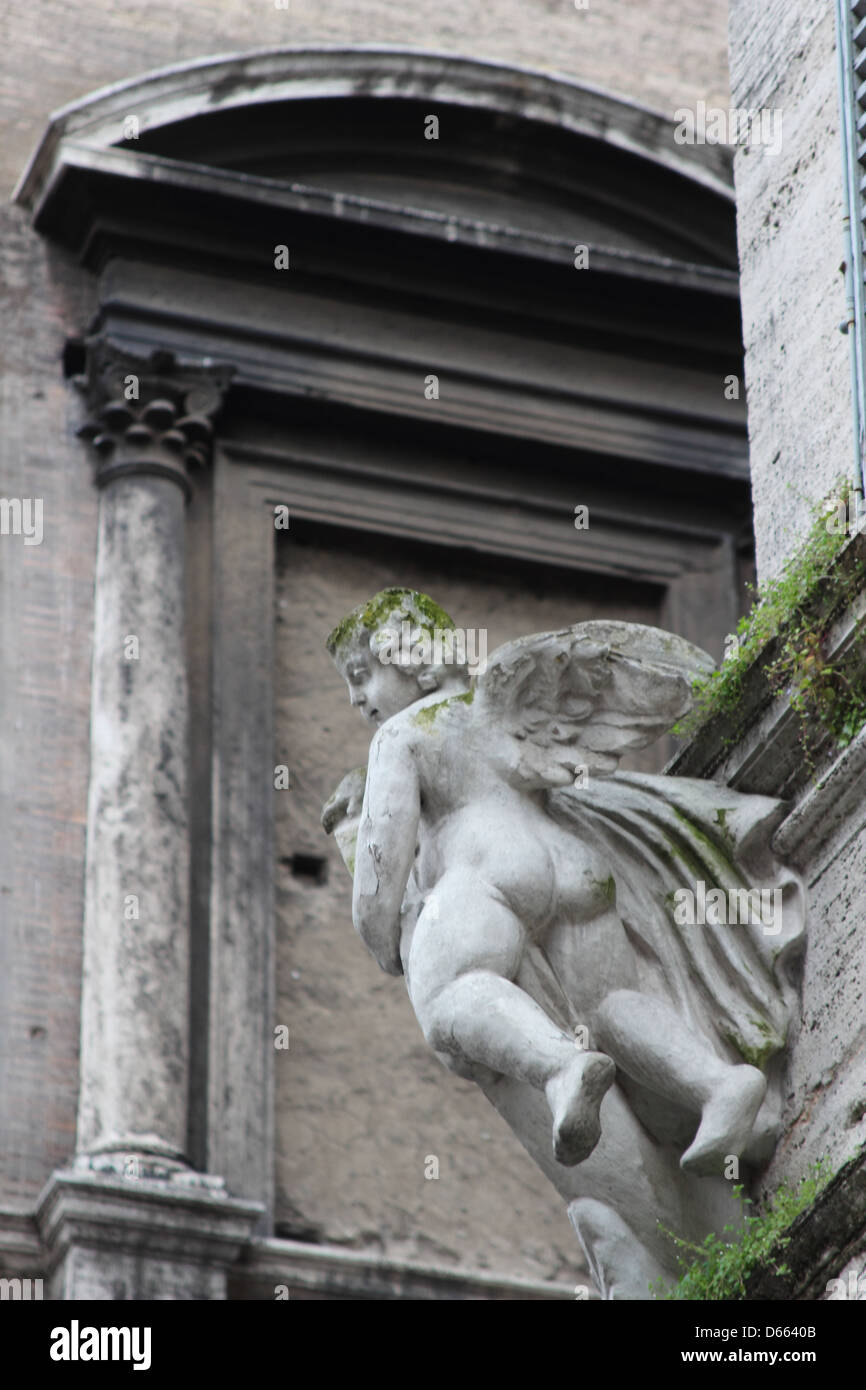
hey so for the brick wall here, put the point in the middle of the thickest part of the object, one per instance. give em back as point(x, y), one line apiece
point(46, 599)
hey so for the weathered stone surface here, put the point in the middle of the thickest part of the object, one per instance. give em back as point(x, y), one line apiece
point(290, 1271)
point(110, 1238)
point(61, 52)
point(849, 1285)
point(136, 946)
point(789, 220)
point(46, 622)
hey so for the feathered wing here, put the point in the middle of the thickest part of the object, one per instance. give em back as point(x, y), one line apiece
point(584, 696)
point(731, 983)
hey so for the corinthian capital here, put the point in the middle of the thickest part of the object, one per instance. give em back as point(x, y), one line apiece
point(149, 414)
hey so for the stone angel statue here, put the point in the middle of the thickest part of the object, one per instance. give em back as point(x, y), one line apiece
point(525, 889)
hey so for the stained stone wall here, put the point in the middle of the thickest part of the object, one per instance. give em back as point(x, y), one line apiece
point(789, 227)
point(789, 208)
point(46, 619)
point(361, 1099)
point(825, 1101)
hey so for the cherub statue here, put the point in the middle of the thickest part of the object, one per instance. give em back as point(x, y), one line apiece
point(523, 886)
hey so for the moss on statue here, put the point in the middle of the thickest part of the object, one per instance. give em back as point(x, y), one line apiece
point(756, 1056)
point(607, 887)
point(402, 604)
point(426, 717)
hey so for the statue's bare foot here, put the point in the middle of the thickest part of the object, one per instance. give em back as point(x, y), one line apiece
point(574, 1095)
point(726, 1122)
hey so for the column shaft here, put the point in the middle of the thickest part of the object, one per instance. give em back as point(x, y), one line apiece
point(135, 1021)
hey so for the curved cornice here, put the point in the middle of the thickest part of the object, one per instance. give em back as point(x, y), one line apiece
point(206, 85)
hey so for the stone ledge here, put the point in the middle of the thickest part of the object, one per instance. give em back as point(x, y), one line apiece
point(759, 750)
point(142, 1216)
point(21, 1251)
point(256, 1266)
point(822, 1241)
point(322, 1272)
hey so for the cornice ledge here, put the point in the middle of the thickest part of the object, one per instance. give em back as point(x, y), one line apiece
point(758, 749)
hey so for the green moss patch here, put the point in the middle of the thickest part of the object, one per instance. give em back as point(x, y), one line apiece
point(426, 717)
point(389, 604)
point(796, 608)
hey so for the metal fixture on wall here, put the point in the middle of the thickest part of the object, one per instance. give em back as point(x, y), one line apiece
point(851, 54)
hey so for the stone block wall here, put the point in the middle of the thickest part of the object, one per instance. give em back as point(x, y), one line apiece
point(789, 226)
point(826, 1095)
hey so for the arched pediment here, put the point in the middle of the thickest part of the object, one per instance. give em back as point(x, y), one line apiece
point(531, 152)
point(283, 213)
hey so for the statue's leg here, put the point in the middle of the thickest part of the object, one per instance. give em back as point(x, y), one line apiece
point(654, 1047)
point(634, 1175)
point(466, 949)
point(620, 1265)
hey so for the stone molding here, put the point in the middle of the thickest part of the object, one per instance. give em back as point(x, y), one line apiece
point(327, 1272)
point(260, 1264)
point(824, 836)
point(99, 1229)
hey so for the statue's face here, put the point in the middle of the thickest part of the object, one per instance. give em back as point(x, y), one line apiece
point(378, 689)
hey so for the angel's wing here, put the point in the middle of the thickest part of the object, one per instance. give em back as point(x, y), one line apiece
point(584, 696)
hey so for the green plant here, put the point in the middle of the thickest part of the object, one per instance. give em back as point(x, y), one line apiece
point(718, 1269)
point(796, 607)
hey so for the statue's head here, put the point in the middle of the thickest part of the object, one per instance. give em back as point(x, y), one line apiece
point(395, 649)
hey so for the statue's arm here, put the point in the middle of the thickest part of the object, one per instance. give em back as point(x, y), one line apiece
point(386, 848)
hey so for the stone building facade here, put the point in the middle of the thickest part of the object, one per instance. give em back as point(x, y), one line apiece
point(792, 253)
point(231, 285)
point(800, 229)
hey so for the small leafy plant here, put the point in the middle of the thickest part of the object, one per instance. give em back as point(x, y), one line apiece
point(799, 603)
point(718, 1269)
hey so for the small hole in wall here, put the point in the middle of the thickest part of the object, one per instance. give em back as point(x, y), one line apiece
point(74, 357)
point(855, 1113)
point(309, 866)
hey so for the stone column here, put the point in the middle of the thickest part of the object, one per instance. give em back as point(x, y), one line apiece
point(129, 1218)
point(149, 427)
